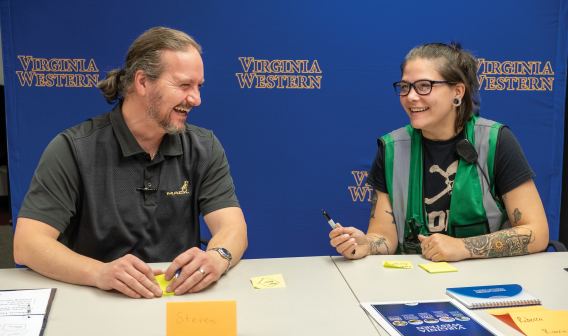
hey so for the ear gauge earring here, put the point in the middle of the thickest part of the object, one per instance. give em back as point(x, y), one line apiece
point(457, 101)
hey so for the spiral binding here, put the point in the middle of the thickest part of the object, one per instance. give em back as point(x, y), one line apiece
point(500, 304)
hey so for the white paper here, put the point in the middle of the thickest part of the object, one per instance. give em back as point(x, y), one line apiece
point(21, 325)
point(22, 312)
point(24, 302)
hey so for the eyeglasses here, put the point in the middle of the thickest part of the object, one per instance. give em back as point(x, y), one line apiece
point(422, 86)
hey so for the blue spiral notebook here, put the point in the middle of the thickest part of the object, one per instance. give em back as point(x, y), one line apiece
point(495, 296)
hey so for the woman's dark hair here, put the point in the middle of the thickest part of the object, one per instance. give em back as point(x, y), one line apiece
point(455, 65)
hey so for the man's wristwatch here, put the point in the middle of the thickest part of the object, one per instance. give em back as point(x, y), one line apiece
point(225, 254)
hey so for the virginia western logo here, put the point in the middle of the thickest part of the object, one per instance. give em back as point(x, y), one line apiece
point(361, 191)
point(515, 75)
point(57, 72)
point(183, 190)
point(279, 74)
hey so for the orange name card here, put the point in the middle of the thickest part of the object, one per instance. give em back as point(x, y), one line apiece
point(542, 322)
point(202, 318)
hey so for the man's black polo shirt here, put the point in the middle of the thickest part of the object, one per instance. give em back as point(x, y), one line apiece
point(96, 185)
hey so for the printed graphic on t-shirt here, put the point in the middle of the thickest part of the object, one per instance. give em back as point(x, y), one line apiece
point(437, 208)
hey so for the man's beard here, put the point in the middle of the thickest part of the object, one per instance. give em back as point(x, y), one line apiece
point(154, 114)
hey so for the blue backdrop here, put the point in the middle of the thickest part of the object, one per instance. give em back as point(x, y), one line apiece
point(297, 91)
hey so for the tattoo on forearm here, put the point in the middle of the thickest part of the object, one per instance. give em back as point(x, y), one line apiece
point(378, 245)
point(516, 216)
point(506, 243)
point(373, 203)
point(392, 215)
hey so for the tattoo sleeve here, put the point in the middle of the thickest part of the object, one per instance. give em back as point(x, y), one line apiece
point(378, 244)
point(505, 243)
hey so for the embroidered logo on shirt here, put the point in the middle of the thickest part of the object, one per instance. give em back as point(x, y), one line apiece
point(184, 190)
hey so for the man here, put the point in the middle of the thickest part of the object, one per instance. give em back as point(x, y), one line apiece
point(127, 187)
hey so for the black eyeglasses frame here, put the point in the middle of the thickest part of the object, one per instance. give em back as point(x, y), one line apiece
point(396, 86)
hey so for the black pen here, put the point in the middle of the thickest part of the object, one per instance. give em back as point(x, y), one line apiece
point(329, 220)
point(332, 224)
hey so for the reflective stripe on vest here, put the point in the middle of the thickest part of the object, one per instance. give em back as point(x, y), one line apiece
point(482, 135)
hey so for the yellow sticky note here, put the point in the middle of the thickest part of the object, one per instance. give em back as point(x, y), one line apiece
point(397, 264)
point(438, 267)
point(268, 281)
point(542, 322)
point(161, 279)
point(201, 318)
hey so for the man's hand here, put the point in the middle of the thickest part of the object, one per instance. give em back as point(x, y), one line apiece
point(440, 247)
point(198, 270)
point(130, 276)
point(350, 242)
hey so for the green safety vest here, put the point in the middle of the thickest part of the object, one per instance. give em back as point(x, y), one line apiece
point(474, 208)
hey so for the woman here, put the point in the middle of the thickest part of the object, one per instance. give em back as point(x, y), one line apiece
point(451, 185)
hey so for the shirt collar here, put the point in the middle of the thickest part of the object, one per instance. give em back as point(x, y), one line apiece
point(170, 146)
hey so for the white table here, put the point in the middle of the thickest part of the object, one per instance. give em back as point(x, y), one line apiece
point(321, 298)
point(316, 301)
point(541, 274)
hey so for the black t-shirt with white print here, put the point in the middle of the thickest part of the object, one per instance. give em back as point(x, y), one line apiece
point(440, 166)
